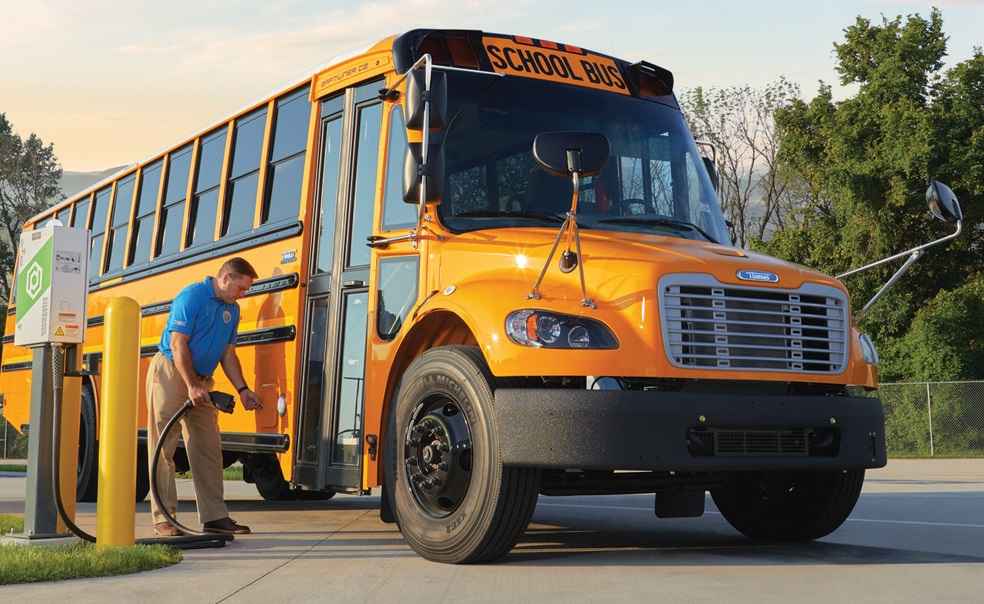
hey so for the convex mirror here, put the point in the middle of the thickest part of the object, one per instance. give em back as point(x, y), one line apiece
point(416, 95)
point(414, 170)
point(943, 203)
point(563, 153)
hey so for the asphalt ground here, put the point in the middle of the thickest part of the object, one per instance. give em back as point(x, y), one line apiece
point(917, 535)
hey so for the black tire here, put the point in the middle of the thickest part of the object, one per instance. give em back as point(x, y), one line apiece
point(143, 472)
point(268, 478)
point(264, 471)
point(86, 487)
point(789, 506)
point(479, 508)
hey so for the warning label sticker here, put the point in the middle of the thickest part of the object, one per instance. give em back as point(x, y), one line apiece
point(555, 65)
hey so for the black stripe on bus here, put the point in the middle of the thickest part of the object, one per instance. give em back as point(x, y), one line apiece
point(256, 337)
point(16, 366)
point(262, 286)
point(8, 339)
point(11, 310)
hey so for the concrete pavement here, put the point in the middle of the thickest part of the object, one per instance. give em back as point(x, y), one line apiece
point(916, 536)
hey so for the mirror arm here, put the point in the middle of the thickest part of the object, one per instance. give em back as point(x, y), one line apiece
point(905, 253)
point(916, 255)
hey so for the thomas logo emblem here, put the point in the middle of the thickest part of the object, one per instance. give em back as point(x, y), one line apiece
point(764, 276)
point(226, 316)
point(34, 278)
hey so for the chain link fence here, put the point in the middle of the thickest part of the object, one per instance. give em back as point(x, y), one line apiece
point(934, 419)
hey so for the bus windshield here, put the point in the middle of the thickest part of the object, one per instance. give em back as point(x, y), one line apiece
point(654, 180)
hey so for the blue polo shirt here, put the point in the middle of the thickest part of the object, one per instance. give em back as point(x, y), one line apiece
point(208, 321)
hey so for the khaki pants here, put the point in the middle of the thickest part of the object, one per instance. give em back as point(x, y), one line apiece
point(166, 393)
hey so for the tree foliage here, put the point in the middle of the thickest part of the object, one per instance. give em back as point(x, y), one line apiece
point(866, 161)
point(29, 175)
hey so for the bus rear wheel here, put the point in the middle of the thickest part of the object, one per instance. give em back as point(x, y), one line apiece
point(789, 506)
point(453, 499)
point(87, 472)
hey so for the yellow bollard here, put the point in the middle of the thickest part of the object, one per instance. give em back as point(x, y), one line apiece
point(116, 503)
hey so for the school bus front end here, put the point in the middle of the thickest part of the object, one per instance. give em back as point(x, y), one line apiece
point(633, 351)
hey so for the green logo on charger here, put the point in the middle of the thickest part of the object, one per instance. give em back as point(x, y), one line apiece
point(34, 280)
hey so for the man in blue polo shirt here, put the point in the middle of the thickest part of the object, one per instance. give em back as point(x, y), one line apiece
point(199, 336)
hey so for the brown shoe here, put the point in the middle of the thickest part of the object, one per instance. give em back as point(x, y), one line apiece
point(226, 526)
point(166, 529)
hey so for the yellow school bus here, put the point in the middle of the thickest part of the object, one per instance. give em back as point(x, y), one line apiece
point(564, 314)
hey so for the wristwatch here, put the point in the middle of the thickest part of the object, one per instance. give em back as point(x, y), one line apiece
point(241, 388)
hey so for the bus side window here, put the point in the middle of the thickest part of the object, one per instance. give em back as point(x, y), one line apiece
point(81, 215)
point(396, 213)
point(98, 226)
point(122, 204)
point(172, 214)
point(143, 224)
point(286, 170)
point(364, 187)
point(204, 205)
point(63, 214)
point(397, 293)
point(241, 193)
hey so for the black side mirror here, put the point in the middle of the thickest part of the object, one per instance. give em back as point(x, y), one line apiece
point(413, 171)
point(943, 203)
point(712, 172)
point(417, 94)
point(563, 153)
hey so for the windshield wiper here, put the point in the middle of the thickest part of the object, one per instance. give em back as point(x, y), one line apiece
point(670, 222)
point(556, 218)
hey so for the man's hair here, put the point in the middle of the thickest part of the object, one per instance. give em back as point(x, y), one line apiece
point(238, 267)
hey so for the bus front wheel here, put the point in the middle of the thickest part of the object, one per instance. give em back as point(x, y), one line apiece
point(453, 499)
point(789, 506)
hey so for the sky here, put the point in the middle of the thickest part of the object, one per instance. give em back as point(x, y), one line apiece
point(110, 85)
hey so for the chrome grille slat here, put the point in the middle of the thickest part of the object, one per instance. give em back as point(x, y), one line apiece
point(758, 300)
point(736, 322)
point(751, 335)
point(803, 330)
point(751, 311)
point(745, 358)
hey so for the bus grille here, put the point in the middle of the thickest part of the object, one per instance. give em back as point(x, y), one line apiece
point(707, 325)
point(750, 443)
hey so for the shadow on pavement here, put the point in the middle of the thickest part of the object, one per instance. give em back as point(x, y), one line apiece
point(562, 545)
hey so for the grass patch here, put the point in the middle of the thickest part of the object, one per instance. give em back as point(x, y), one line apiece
point(233, 472)
point(22, 564)
point(11, 524)
point(6, 467)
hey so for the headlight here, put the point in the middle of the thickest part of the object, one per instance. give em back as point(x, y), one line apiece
point(551, 330)
point(868, 350)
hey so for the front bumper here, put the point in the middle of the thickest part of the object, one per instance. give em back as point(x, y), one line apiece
point(632, 430)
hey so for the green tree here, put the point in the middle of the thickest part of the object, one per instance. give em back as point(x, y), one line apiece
point(866, 160)
point(29, 175)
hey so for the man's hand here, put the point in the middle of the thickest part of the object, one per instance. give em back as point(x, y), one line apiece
point(251, 402)
point(199, 395)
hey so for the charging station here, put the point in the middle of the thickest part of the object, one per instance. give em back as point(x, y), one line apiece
point(51, 291)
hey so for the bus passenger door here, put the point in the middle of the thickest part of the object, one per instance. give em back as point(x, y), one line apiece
point(330, 434)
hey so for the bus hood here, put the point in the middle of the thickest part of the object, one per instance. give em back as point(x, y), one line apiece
point(615, 264)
